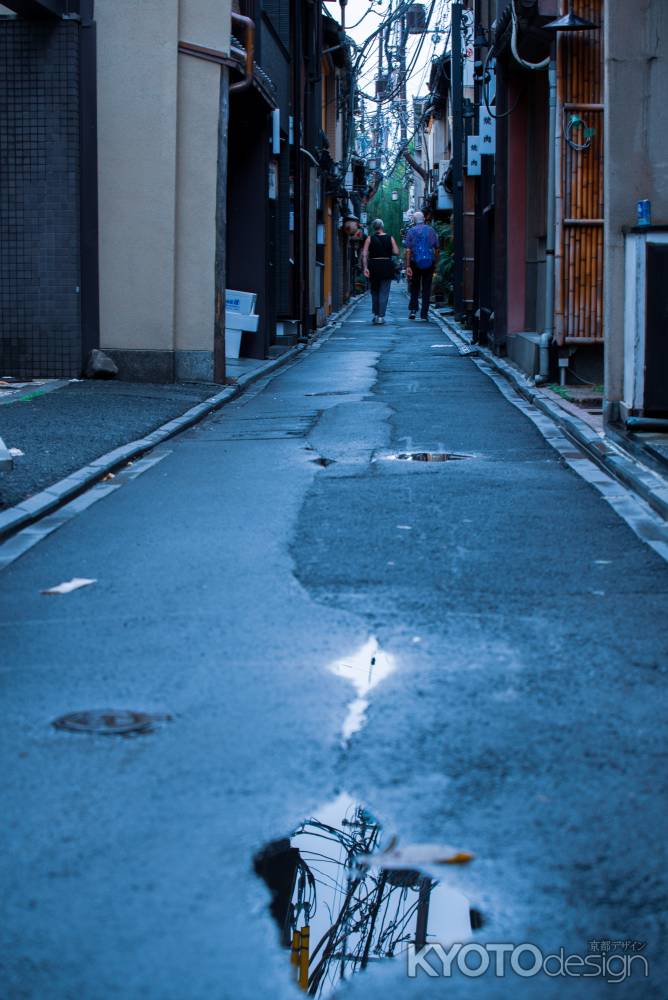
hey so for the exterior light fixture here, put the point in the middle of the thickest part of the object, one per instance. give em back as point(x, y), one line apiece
point(570, 22)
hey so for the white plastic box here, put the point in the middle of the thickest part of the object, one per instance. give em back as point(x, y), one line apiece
point(239, 317)
point(240, 302)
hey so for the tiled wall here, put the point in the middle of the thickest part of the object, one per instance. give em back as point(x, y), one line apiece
point(40, 327)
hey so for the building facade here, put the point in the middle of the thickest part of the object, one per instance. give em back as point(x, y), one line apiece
point(157, 153)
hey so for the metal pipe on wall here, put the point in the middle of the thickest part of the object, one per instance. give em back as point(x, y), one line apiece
point(249, 45)
point(550, 241)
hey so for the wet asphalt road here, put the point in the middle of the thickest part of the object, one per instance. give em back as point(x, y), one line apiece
point(524, 721)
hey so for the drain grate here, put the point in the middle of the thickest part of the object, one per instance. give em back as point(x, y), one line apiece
point(108, 721)
point(429, 456)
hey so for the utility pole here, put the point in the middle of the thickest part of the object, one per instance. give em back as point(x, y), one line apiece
point(378, 96)
point(457, 160)
point(402, 77)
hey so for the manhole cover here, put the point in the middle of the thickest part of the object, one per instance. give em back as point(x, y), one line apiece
point(429, 456)
point(107, 721)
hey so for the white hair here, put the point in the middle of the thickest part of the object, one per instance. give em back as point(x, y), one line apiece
point(418, 218)
point(378, 224)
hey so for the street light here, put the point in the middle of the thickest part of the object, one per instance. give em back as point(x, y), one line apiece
point(570, 22)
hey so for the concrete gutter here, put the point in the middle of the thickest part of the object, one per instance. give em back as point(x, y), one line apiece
point(609, 455)
point(16, 518)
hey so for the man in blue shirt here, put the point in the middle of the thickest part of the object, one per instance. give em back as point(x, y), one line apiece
point(421, 258)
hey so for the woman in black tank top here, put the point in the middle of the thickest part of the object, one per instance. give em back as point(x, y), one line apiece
point(379, 267)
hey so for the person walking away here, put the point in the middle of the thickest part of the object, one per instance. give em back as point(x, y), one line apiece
point(379, 267)
point(422, 253)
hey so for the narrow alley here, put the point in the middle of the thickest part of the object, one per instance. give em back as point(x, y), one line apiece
point(516, 621)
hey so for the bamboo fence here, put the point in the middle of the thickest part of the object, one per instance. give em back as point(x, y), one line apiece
point(579, 244)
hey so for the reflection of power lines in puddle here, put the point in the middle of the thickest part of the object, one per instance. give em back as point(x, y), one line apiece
point(364, 669)
point(344, 895)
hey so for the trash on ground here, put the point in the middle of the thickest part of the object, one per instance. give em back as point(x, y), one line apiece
point(69, 586)
point(15, 452)
point(100, 365)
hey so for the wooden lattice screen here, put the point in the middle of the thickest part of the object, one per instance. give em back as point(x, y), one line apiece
point(579, 270)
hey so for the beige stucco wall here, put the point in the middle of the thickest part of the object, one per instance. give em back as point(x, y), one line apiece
point(197, 159)
point(636, 148)
point(158, 154)
point(137, 86)
point(206, 23)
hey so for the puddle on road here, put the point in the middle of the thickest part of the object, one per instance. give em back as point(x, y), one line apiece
point(364, 669)
point(427, 456)
point(343, 898)
point(331, 392)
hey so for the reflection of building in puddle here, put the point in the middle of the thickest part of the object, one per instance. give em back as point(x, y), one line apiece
point(364, 669)
point(338, 910)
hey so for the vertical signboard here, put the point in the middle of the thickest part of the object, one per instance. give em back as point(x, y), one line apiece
point(473, 155)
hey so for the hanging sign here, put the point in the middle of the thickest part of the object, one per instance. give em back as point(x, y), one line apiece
point(487, 132)
point(445, 200)
point(473, 159)
point(272, 178)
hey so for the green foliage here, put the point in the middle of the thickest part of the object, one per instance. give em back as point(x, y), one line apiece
point(382, 207)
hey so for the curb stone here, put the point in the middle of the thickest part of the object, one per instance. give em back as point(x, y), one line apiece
point(609, 455)
point(31, 509)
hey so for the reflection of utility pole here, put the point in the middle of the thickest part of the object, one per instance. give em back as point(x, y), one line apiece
point(457, 159)
point(372, 921)
point(422, 921)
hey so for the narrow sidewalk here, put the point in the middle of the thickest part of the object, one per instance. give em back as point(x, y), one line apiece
point(640, 465)
point(56, 444)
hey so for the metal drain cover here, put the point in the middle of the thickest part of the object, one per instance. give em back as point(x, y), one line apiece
point(106, 722)
point(429, 456)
